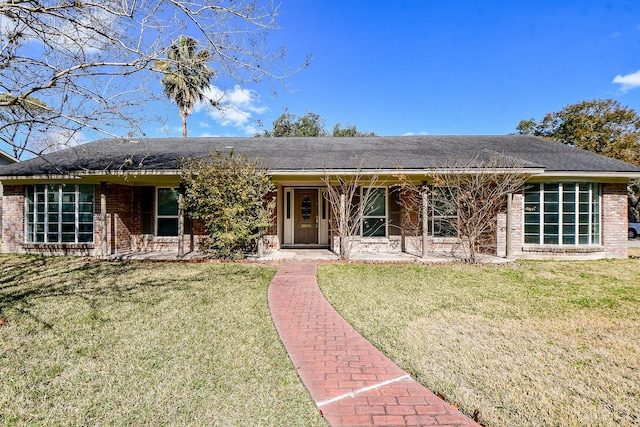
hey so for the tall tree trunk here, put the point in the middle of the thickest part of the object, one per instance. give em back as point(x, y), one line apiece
point(183, 116)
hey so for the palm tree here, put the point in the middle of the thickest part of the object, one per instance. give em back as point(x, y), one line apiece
point(186, 75)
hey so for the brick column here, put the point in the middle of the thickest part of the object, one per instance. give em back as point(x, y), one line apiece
point(614, 220)
point(13, 219)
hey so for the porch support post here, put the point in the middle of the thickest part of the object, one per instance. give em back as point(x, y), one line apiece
point(508, 225)
point(343, 226)
point(181, 221)
point(104, 244)
point(424, 208)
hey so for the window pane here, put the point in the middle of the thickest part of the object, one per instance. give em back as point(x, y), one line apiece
point(443, 228)
point(445, 202)
point(86, 193)
point(374, 227)
point(551, 187)
point(167, 201)
point(531, 228)
point(569, 194)
point(85, 228)
point(85, 237)
point(376, 203)
point(69, 228)
point(68, 237)
point(532, 239)
point(167, 226)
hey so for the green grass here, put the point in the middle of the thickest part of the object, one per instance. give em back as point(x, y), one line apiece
point(534, 343)
point(86, 343)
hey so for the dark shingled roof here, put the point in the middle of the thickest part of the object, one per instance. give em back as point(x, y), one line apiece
point(296, 154)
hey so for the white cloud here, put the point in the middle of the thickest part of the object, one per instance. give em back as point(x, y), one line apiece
point(235, 107)
point(628, 82)
point(421, 133)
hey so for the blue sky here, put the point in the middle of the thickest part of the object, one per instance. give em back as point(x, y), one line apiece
point(439, 67)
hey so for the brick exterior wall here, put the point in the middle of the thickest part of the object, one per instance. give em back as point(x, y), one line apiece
point(124, 229)
point(517, 224)
point(614, 220)
point(13, 219)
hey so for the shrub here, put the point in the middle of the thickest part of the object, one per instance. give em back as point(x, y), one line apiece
point(228, 193)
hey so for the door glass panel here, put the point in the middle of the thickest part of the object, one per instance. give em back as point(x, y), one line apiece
point(306, 208)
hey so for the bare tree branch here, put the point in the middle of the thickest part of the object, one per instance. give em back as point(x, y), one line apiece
point(89, 63)
point(349, 205)
point(468, 195)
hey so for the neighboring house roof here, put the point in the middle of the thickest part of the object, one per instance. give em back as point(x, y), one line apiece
point(318, 154)
point(6, 158)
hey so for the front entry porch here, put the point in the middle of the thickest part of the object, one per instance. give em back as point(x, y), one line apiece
point(305, 218)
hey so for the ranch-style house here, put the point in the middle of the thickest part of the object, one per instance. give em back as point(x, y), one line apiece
point(120, 196)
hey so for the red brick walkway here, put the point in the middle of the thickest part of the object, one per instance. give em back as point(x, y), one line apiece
point(352, 383)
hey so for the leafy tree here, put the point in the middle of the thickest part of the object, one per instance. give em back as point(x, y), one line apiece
point(311, 124)
point(602, 126)
point(228, 193)
point(349, 131)
point(289, 125)
point(186, 75)
point(90, 61)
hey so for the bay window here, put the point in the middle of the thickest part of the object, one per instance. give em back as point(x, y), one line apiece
point(562, 213)
point(59, 213)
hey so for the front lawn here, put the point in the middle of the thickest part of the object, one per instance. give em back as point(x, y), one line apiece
point(86, 343)
point(529, 344)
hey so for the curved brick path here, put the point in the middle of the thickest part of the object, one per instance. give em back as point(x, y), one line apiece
point(352, 383)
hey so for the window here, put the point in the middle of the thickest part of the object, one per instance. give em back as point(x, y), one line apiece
point(374, 215)
point(60, 213)
point(167, 213)
point(444, 212)
point(562, 214)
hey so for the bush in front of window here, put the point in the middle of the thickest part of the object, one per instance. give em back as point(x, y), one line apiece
point(227, 192)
